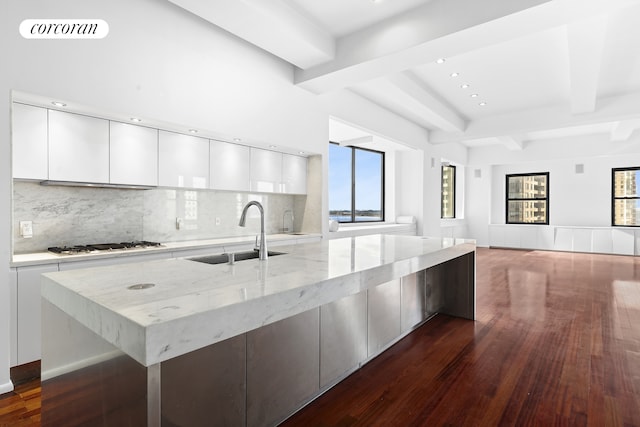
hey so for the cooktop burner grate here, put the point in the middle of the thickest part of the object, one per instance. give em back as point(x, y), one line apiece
point(100, 247)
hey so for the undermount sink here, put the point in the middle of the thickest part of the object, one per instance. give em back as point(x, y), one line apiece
point(238, 256)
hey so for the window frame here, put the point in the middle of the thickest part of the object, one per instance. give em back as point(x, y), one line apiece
point(453, 191)
point(508, 199)
point(353, 185)
point(614, 198)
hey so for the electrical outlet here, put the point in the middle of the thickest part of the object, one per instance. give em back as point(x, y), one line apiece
point(217, 221)
point(26, 229)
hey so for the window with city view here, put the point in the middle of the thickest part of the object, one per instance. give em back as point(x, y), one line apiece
point(528, 198)
point(356, 184)
point(625, 197)
point(448, 192)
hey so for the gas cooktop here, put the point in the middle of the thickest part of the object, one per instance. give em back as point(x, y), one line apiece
point(102, 247)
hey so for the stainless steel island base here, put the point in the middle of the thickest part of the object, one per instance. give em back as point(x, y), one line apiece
point(189, 344)
point(258, 378)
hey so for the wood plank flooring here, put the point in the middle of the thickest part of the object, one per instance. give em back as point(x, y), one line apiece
point(556, 342)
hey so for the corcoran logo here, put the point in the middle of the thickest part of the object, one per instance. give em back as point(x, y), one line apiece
point(64, 29)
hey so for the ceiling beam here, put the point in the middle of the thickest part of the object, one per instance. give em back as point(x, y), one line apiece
point(615, 108)
point(622, 130)
point(510, 142)
point(438, 29)
point(354, 142)
point(414, 94)
point(586, 47)
point(272, 25)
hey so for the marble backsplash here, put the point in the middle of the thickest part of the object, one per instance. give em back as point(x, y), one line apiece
point(84, 215)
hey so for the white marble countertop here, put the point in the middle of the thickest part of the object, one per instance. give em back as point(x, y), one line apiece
point(192, 304)
point(222, 244)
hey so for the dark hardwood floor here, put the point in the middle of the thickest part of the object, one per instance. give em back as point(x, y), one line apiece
point(556, 342)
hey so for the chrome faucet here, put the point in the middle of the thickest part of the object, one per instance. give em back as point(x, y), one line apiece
point(243, 218)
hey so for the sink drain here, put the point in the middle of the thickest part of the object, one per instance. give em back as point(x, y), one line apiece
point(140, 286)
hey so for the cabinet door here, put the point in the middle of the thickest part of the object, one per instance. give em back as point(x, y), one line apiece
point(183, 161)
point(230, 166)
point(266, 171)
point(294, 174)
point(78, 148)
point(28, 316)
point(29, 137)
point(133, 154)
point(13, 317)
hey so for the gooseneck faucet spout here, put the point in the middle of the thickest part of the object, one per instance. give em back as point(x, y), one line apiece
point(243, 219)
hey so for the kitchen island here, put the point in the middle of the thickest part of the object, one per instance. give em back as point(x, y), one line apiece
point(179, 342)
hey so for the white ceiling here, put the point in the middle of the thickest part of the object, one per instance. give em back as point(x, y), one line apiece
point(544, 68)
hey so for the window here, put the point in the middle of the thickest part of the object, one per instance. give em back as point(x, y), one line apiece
point(528, 198)
point(448, 192)
point(356, 184)
point(626, 196)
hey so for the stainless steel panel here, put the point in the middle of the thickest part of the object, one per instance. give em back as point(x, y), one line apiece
point(206, 387)
point(383, 316)
point(413, 300)
point(283, 371)
point(459, 287)
point(154, 414)
point(451, 287)
point(434, 278)
point(343, 337)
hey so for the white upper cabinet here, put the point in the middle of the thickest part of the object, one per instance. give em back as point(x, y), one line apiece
point(78, 148)
point(183, 161)
point(230, 166)
point(29, 136)
point(266, 171)
point(133, 154)
point(294, 174)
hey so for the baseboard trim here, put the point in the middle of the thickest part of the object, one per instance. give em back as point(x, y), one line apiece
point(6, 387)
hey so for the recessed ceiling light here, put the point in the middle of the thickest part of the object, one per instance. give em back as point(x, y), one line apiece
point(301, 152)
point(237, 139)
point(273, 146)
point(440, 60)
point(454, 74)
point(59, 104)
point(193, 130)
point(474, 95)
point(135, 119)
point(482, 104)
point(464, 86)
point(377, 1)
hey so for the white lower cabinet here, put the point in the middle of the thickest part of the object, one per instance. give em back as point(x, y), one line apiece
point(13, 317)
point(28, 313)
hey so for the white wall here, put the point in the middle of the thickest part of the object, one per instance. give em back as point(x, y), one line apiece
point(409, 184)
point(574, 199)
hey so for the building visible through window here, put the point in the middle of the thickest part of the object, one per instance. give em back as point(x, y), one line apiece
point(625, 210)
point(448, 192)
point(356, 184)
point(527, 198)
